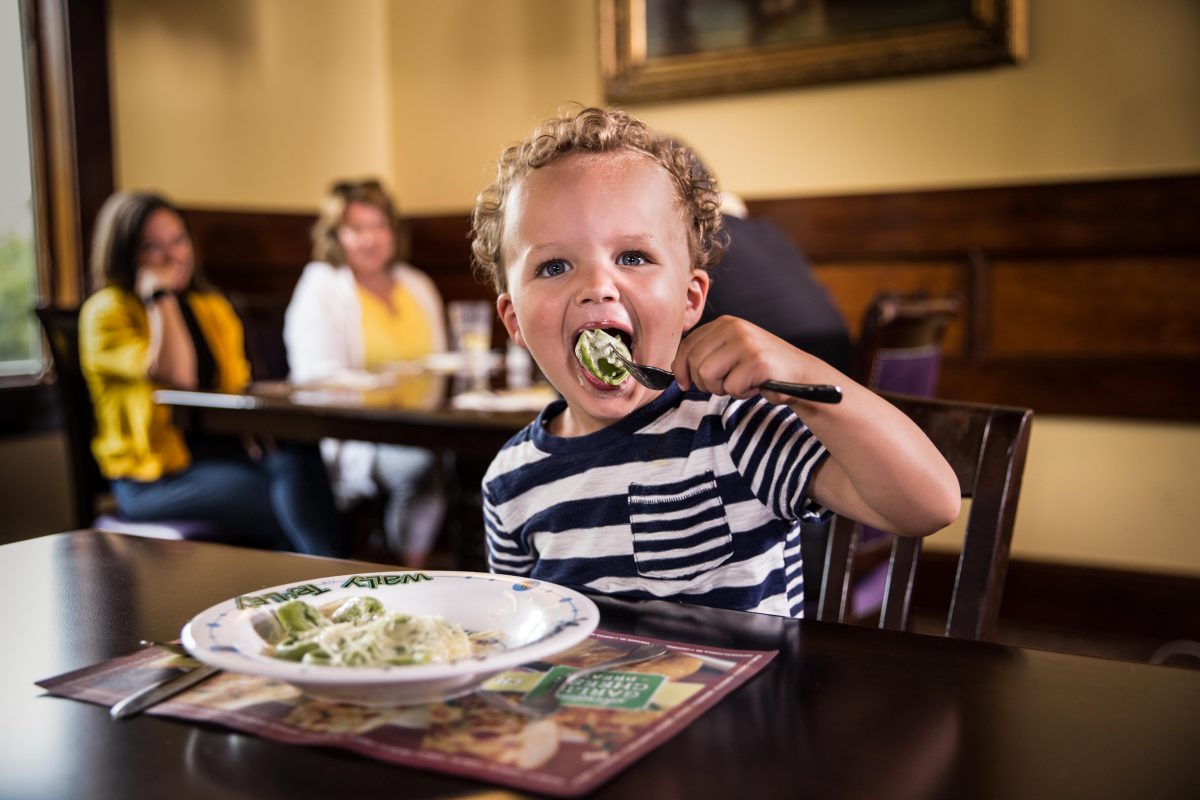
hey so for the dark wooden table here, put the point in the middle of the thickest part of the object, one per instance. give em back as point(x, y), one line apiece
point(380, 415)
point(413, 411)
point(842, 712)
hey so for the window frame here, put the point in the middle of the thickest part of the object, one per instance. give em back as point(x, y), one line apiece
point(65, 47)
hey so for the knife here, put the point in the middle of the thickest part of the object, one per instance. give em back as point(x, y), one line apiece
point(144, 698)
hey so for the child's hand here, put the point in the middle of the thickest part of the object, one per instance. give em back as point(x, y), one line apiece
point(730, 356)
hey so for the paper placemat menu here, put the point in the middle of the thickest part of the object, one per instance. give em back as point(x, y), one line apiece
point(607, 721)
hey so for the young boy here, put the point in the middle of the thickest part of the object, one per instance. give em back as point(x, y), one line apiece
point(696, 492)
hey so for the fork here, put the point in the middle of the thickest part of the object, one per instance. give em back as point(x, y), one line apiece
point(659, 379)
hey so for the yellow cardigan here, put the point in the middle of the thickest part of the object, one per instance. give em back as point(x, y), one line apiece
point(135, 437)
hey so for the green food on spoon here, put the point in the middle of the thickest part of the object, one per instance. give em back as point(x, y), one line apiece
point(594, 351)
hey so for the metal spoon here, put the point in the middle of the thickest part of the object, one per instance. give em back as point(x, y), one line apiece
point(154, 694)
point(659, 379)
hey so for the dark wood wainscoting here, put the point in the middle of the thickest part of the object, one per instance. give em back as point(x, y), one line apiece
point(1111, 613)
point(1080, 298)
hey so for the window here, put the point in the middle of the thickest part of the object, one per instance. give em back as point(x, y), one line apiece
point(20, 338)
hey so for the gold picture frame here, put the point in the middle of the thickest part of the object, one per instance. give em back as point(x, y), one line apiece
point(656, 50)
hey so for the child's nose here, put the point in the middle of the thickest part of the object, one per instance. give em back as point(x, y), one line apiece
point(597, 286)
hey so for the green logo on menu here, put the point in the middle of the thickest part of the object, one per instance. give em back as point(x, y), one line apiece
point(630, 691)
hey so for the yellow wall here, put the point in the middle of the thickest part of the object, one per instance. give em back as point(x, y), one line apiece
point(1107, 493)
point(239, 103)
point(248, 103)
point(258, 103)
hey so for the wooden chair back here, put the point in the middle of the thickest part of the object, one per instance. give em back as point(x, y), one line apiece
point(986, 447)
point(262, 323)
point(91, 502)
point(61, 325)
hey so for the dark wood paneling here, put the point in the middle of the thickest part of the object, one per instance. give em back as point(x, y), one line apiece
point(265, 251)
point(252, 251)
point(1137, 216)
point(1151, 608)
point(1116, 307)
point(1146, 388)
point(1080, 298)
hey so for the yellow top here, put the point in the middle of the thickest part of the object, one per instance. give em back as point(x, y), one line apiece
point(135, 437)
point(389, 336)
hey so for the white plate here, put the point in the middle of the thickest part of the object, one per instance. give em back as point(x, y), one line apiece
point(534, 620)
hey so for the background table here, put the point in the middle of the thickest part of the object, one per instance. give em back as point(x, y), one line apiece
point(842, 712)
point(382, 415)
point(364, 415)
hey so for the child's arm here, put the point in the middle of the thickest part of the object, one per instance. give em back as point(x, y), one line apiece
point(505, 552)
point(882, 470)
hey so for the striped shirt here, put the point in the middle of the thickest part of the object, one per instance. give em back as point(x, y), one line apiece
point(693, 496)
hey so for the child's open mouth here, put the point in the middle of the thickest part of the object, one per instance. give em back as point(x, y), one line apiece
point(594, 349)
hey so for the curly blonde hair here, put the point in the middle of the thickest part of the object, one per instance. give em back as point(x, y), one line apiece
point(597, 130)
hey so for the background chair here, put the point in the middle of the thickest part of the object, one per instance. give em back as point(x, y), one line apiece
point(262, 323)
point(93, 506)
point(899, 345)
point(899, 350)
point(986, 447)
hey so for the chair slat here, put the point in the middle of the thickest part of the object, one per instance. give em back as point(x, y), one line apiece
point(897, 595)
point(839, 557)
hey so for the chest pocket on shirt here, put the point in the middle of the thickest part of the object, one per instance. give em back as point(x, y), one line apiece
point(679, 529)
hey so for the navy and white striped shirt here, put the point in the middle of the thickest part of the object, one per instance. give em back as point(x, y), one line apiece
point(693, 496)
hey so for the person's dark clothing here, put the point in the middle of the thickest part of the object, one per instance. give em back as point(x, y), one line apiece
point(765, 279)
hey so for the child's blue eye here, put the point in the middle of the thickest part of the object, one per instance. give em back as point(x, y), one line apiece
point(632, 258)
point(553, 267)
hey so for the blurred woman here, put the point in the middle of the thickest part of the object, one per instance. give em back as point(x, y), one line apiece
point(358, 307)
point(155, 323)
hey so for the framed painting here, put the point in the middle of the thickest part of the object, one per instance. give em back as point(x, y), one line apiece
point(656, 50)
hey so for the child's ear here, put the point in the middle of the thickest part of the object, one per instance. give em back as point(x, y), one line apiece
point(697, 294)
point(508, 315)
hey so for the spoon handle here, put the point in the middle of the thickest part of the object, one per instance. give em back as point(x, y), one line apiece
point(816, 393)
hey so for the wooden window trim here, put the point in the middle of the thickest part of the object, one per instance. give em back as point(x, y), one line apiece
point(66, 54)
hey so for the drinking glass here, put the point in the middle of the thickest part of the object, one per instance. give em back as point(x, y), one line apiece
point(471, 335)
point(471, 326)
